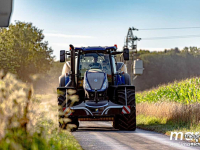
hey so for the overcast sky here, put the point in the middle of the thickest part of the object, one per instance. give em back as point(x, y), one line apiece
point(106, 22)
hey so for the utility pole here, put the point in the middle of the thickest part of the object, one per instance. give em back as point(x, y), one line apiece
point(130, 40)
point(130, 43)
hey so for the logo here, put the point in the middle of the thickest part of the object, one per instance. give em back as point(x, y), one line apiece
point(189, 136)
point(95, 80)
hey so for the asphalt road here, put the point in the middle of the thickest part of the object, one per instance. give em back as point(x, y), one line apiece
point(96, 135)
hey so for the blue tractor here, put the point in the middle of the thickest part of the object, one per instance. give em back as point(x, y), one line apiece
point(102, 84)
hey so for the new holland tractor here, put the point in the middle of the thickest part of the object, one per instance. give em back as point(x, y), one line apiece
point(102, 84)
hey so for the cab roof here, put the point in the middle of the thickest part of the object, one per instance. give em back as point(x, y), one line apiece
point(96, 48)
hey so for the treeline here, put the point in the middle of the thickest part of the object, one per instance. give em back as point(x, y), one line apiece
point(23, 51)
point(167, 66)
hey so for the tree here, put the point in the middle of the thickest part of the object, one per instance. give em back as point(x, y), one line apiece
point(185, 50)
point(194, 50)
point(23, 51)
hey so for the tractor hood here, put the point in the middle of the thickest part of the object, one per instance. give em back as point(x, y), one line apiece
point(95, 80)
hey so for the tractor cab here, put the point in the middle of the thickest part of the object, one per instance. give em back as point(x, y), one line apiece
point(94, 70)
point(93, 62)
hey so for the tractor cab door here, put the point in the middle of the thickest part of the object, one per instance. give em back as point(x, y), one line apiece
point(114, 65)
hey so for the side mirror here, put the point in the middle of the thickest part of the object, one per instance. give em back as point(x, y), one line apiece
point(62, 56)
point(126, 54)
point(138, 67)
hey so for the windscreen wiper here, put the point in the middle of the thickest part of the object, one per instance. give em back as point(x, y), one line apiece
point(100, 56)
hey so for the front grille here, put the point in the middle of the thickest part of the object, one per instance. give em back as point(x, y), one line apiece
point(95, 79)
point(99, 94)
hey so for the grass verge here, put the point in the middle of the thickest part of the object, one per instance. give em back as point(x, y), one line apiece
point(162, 125)
point(20, 140)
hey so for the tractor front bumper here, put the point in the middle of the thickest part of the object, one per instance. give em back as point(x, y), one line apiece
point(93, 109)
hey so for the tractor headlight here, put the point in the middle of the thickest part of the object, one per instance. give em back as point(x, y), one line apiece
point(105, 85)
point(86, 85)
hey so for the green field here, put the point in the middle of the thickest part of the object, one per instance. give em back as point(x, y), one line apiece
point(186, 92)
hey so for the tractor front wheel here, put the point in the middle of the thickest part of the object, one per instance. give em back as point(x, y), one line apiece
point(126, 121)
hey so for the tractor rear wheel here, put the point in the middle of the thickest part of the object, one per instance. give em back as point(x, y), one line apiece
point(126, 121)
point(73, 125)
point(61, 102)
point(127, 79)
point(74, 122)
point(62, 93)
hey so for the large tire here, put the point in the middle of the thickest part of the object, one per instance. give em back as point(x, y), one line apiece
point(61, 101)
point(116, 118)
point(61, 96)
point(74, 121)
point(127, 79)
point(126, 121)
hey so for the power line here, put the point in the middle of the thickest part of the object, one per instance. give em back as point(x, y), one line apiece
point(171, 28)
point(170, 37)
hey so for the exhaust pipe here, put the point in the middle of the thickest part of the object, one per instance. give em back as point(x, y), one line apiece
point(72, 65)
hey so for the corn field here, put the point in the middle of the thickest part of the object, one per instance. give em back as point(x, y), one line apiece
point(185, 92)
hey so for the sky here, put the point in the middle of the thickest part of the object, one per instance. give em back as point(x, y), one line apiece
point(106, 22)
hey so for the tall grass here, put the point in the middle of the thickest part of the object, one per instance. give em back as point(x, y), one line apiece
point(28, 121)
point(186, 92)
point(177, 113)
